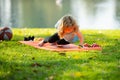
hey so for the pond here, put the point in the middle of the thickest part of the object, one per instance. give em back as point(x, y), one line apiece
point(90, 14)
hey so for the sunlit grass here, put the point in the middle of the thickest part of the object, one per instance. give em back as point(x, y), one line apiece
point(22, 62)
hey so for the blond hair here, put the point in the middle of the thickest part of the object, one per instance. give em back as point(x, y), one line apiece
point(67, 22)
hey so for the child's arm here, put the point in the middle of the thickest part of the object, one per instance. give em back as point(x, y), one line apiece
point(81, 38)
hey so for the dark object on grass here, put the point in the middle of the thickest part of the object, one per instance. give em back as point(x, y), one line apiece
point(26, 39)
point(62, 54)
point(29, 38)
point(36, 65)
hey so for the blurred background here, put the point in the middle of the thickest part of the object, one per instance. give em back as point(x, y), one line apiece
point(90, 14)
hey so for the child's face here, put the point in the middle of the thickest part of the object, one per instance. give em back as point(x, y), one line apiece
point(69, 30)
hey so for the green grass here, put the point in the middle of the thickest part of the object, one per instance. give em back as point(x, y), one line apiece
point(22, 62)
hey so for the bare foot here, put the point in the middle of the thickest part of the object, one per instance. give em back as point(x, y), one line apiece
point(41, 43)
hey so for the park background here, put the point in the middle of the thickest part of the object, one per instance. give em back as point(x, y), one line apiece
point(90, 14)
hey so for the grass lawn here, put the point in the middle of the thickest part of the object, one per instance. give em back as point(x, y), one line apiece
point(22, 62)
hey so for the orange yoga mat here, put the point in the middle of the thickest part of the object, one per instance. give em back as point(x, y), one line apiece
point(68, 47)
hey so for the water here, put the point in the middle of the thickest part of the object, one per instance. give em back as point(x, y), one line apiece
point(90, 14)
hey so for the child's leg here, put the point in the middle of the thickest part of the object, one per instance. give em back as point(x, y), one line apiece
point(41, 43)
point(62, 42)
point(53, 38)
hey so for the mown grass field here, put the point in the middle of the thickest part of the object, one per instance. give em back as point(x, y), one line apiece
point(22, 62)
